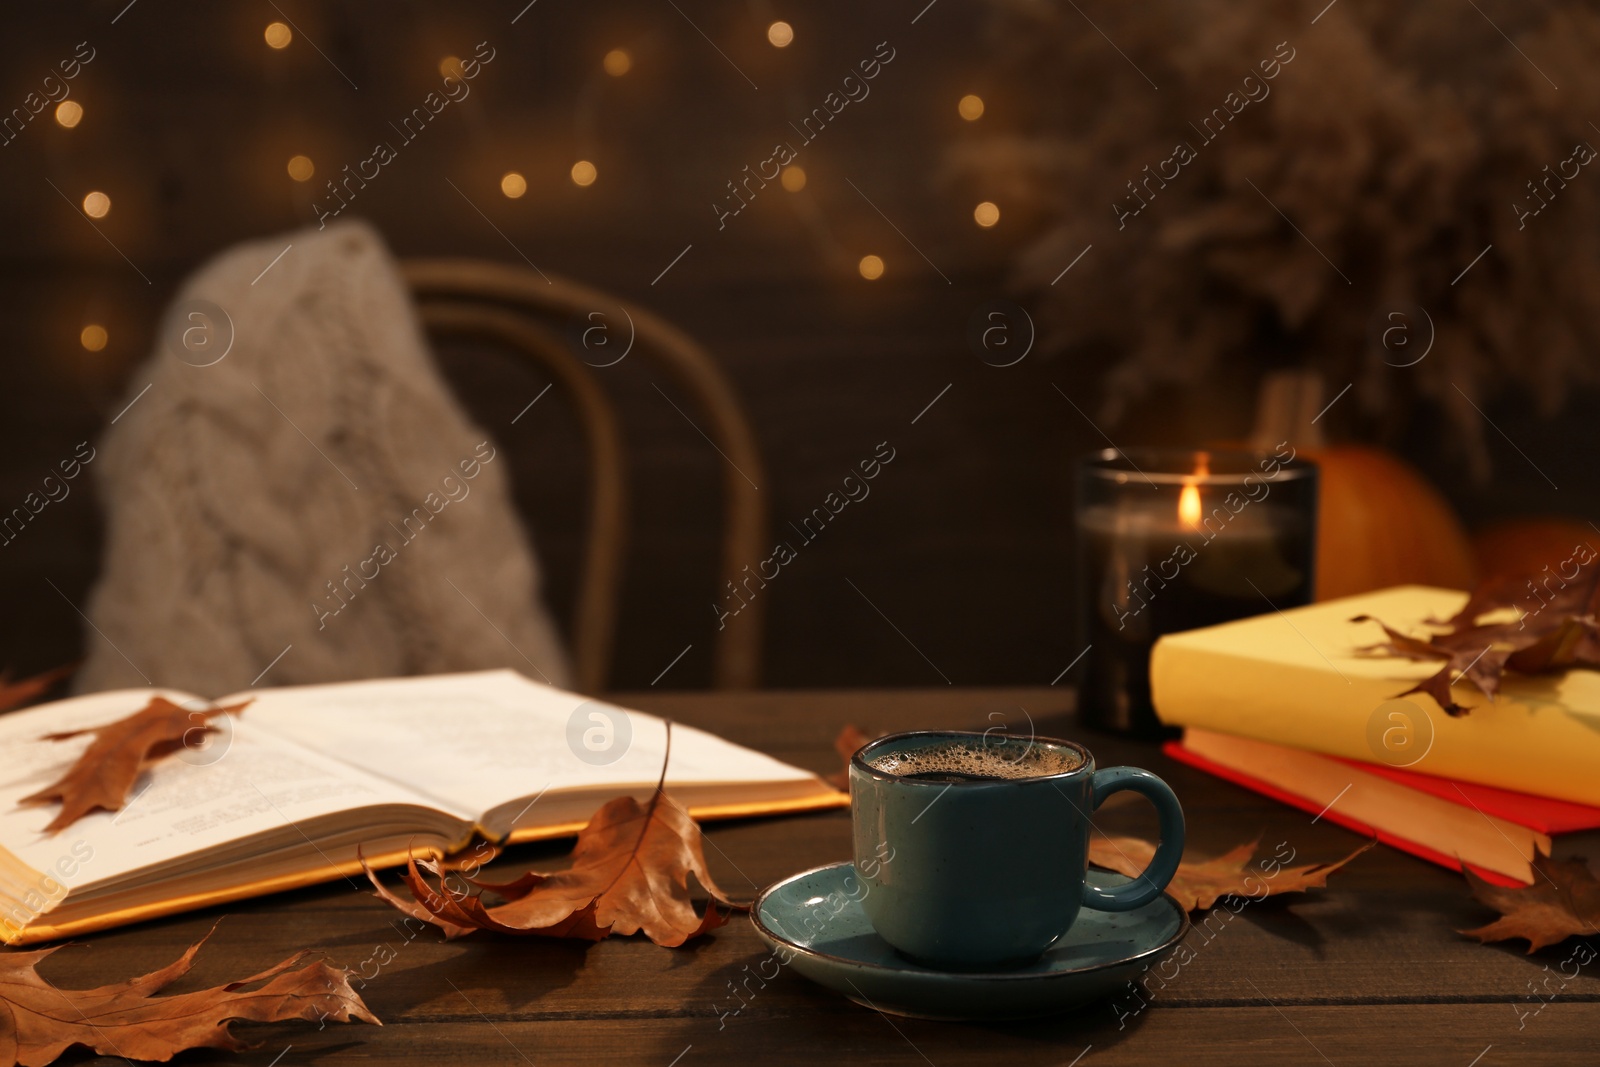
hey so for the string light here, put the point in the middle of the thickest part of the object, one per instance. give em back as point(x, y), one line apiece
point(971, 107)
point(450, 67)
point(617, 62)
point(69, 113)
point(301, 168)
point(93, 338)
point(514, 184)
point(278, 35)
point(96, 204)
point(871, 267)
point(583, 173)
point(986, 214)
point(794, 178)
point(780, 34)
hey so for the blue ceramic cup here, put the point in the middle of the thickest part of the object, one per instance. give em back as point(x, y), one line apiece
point(978, 872)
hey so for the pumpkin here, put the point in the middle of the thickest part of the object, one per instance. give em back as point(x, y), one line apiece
point(1380, 523)
point(1528, 546)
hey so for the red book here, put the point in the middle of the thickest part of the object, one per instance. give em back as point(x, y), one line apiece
point(1494, 832)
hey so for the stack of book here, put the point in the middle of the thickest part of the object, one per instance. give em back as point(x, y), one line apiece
point(1288, 704)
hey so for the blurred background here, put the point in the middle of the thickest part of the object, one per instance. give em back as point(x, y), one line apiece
point(998, 162)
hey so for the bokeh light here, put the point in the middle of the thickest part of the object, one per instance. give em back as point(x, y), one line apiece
point(96, 205)
point(780, 34)
point(583, 173)
point(971, 107)
point(986, 214)
point(69, 113)
point(871, 267)
point(278, 35)
point(301, 168)
point(617, 62)
point(450, 67)
point(794, 178)
point(93, 337)
point(513, 184)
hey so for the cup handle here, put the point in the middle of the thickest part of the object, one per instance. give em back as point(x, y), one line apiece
point(1164, 864)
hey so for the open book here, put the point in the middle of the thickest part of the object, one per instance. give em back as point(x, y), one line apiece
point(307, 774)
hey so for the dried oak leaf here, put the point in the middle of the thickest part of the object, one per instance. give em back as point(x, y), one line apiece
point(16, 693)
point(851, 738)
point(1563, 900)
point(1470, 653)
point(1504, 590)
point(1575, 643)
point(630, 874)
point(1200, 883)
point(1556, 634)
point(104, 775)
point(39, 1022)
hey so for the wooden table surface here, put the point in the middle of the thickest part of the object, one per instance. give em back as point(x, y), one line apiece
point(1368, 971)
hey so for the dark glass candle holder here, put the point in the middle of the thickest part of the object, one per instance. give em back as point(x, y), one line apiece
point(1171, 540)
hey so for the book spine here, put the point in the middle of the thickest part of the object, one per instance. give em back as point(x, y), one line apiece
point(1535, 746)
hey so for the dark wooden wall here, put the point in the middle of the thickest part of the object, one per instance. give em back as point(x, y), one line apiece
point(964, 544)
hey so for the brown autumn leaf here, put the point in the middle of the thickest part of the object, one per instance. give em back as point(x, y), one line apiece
point(851, 738)
point(14, 694)
point(1548, 635)
point(1476, 659)
point(39, 1021)
point(1563, 900)
point(630, 874)
point(1199, 883)
point(104, 775)
point(1574, 643)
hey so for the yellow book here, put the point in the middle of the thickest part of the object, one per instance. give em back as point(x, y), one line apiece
point(309, 774)
point(1298, 678)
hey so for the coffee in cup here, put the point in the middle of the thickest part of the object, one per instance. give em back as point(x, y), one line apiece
point(989, 760)
point(990, 838)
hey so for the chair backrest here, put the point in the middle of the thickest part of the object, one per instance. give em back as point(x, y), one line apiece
point(517, 307)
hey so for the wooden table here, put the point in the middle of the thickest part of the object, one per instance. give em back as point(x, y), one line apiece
point(1369, 971)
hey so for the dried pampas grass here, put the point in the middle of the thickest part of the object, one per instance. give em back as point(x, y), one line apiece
point(1397, 141)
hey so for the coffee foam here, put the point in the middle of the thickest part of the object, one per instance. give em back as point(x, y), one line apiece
point(1012, 758)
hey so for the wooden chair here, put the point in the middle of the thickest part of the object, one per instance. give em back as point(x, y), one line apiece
point(517, 307)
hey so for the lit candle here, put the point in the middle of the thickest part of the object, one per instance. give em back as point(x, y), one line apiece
point(1172, 540)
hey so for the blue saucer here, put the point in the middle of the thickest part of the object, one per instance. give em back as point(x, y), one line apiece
point(1096, 958)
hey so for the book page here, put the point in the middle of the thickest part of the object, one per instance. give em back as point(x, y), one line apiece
point(487, 738)
point(243, 782)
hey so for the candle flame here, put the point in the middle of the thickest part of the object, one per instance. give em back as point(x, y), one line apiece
point(1189, 506)
point(1189, 499)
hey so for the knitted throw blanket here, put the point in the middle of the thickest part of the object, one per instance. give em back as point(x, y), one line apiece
point(314, 501)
